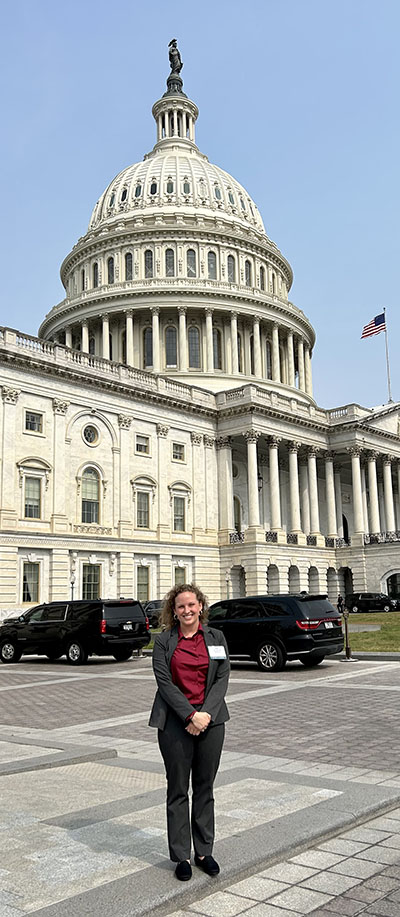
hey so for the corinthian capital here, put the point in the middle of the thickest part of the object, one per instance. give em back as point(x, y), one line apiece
point(251, 436)
point(10, 395)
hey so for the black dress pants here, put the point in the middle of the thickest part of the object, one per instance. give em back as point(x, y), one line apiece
point(198, 756)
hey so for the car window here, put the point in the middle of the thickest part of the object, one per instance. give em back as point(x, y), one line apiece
point(320, 608)
point(217, 611)
point(54, 612)
point(272, 609)
point(122, 610)
point(82, 610)
point(245, 610)
point(35, 615)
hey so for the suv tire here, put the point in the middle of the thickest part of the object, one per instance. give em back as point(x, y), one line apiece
point(270, 657)
point(354, 609)
point(311, 661)
point(122, 655)
point(387, 608)
point(75, 653)
point(9, 651)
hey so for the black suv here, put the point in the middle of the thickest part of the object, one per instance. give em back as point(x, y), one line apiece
point(77, 630)
point(153, 610)
point(369, 601)
point(273, 629)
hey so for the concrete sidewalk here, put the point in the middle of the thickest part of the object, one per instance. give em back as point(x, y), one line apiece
point(83, 790)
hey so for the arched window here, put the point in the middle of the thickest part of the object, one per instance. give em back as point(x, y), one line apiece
point(231, 198)
point(217, 348)
point(212, 266)
point(95, 274)
point(191, 262)
point(83, 281)
point(147, 347)
point(240, 353)
point(262, 278)
point(128, 266)
point(217, 192)
point(112, 200)
point(247, 273)
point(90, 495)
point(237, 515)
point(231, 269)
point(153, 187)
point(268, 359)
point(124, 194)
point(171, 350)
point(110, 270)
point(194, 347)
point(92, 345)
point(186, 187)
point(148, 263)
point(138, 190)
point(170, 187)
point(169, 263)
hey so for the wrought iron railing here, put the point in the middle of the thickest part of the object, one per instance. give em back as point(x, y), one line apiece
point(291, 538)
point(236, 537)
point(271, 537)
point(312, 541)
point(382, 538)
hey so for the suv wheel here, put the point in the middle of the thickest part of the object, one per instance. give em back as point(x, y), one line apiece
point(76, 655)
point(355, 609)
point(270, 657)
point(9, 651)
point(387, 608)
point(310, 661)
point(122, 655)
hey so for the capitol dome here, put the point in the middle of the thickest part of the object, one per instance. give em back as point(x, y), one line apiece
point(177, 276)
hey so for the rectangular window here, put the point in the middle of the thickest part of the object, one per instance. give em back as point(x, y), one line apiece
point(33, 422)
point(32, 498)
point(143, 444)
point(178, 452)
point(143, 514)
point(30, 583)
point(143, 578)
point(90, 581)
point(179, 514)
point(179, 576)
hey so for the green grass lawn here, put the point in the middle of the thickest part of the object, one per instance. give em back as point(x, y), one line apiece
point(385, 640)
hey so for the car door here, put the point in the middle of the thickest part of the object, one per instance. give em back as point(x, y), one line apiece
point(243, 626)
point(53, 619)
point(30, 630)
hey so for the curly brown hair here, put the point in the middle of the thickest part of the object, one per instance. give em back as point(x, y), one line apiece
point(167, 614)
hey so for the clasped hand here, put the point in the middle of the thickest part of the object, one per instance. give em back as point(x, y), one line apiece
point(198, 723)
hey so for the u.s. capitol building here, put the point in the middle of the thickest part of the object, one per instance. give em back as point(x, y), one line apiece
point(162, 426)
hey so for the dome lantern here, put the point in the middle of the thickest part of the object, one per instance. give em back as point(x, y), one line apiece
point(174, 113)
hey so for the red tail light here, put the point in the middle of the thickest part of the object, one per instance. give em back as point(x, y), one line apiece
point(103, 626)
point(147, 624)
point(308, 625)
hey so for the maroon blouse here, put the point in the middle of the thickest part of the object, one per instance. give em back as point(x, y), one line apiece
point(189, 666)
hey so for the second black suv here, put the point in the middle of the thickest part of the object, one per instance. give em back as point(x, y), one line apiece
point(272, 629)
point(369, 601)
point(77, 630)
point(153, 610)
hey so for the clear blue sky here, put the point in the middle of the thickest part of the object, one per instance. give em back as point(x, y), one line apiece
point(299, 100)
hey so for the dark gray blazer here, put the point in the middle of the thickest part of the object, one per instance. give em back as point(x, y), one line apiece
point(169, 695)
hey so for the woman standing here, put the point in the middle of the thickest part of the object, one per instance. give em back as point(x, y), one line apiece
point(191, 666)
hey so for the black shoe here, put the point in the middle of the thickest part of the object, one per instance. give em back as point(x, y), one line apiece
point(183, 871)
point(208, 864)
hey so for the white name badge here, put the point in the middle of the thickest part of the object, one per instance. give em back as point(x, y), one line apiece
point(217, 652)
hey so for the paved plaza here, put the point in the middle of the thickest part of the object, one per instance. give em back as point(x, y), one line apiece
point(307, 797)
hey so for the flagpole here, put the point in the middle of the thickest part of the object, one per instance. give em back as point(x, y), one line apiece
point(387, 359)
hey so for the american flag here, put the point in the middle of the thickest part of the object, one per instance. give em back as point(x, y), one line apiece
point(375, 326)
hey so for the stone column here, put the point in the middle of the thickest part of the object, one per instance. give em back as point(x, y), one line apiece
point(275, 496)
point(302, 372)
point(9, 498)
point(295, 525)
point(364, 498)
point(374, 521)
point(105, 336)
point(164, 513)
point(155, 317)
point(276, 369)
point(59, 519)
point(330, 496)
point(313, 489)
point(210, 487)
point(251, 437)
point(209, 336)
point(85, 337)
point(129, 337)
point(290, 352)
point(257, 348)
point(388, 493)
point(357, 491)
point(183, 359)
point(68, 336)
point(308, 373)
point(234, 343)
point(225, 485)
point(304, 500)
point(338, 498)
